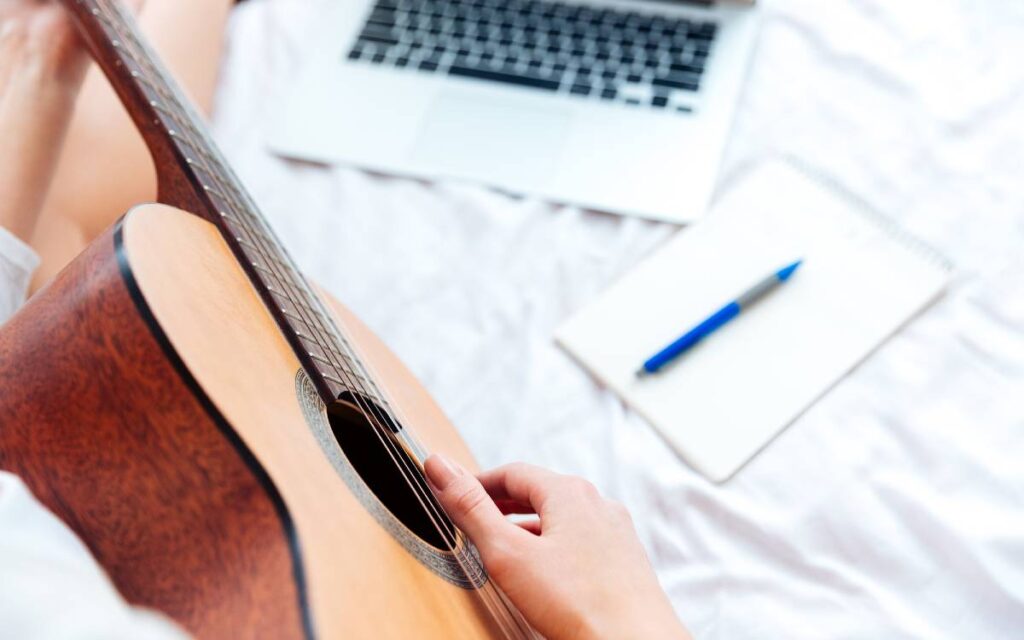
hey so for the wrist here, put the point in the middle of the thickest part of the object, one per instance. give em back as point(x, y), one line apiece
point(31, 58)
point(647, 620)
point(47, 77)
point(42, 78)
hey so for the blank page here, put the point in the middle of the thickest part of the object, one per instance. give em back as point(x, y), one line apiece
point(722, 401)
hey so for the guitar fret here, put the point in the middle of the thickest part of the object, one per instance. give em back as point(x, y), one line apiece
point(320, 340)
point(286, 287)
point(320, 358)
point(208, 189)
point(333, 374)
point(310, 333)
point(262, 269)
point(246, 244)
point(312, 343)
point(313, 335)
point(332, 378)
point(292, 315)
point(202, 176)
point(283, 286)
point(340, 361)
point(336, 389)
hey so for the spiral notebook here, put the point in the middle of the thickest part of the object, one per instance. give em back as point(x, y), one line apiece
point(723, 401)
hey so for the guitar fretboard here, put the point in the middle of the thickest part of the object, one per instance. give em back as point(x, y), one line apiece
point(174, 131)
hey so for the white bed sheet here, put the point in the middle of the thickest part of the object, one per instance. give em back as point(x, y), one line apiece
point(893, 508)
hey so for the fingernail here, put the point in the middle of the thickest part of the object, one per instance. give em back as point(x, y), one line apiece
point(441, 471)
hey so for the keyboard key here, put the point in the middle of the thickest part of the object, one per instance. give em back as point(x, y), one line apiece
point(686, 82)
point(371, 30)
point(382, 16)
point(580, 90)
point(686, 68)
point(705, 31)
point(505, 77)
point(386, 40)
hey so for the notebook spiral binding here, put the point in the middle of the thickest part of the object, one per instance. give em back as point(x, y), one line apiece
point(886, 223)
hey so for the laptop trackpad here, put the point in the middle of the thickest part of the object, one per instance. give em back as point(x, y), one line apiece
point(507, 141)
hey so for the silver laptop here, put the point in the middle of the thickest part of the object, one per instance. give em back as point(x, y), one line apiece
point(616, 105)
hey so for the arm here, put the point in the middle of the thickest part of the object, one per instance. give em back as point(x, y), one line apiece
point(41, 70)
point(577, 573)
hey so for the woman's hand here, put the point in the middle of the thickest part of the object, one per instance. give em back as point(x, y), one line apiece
point(40, 33)
point(579, 572)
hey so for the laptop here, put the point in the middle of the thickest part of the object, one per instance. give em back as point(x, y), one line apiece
point(621, 106)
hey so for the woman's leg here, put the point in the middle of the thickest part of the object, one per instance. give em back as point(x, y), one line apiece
point(105, 167)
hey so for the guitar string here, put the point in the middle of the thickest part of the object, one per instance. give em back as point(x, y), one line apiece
point(287, 280)
point(229, 193)
point(289, 283)
point(516, 619)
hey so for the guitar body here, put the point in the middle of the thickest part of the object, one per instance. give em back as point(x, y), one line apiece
point(150, 400)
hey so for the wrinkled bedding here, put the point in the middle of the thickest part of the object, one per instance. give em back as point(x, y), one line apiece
point(894, 508)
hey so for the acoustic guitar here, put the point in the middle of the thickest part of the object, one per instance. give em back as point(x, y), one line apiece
point(236, 448)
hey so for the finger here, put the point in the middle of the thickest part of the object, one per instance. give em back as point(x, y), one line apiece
point(530, 526)
point(520, 482)
point(514, 507)
point(468, 505)
point(553, 496)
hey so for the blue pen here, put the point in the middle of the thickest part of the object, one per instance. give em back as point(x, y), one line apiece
point(716, 321)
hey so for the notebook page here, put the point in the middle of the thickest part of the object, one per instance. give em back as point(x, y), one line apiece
point(726, 398)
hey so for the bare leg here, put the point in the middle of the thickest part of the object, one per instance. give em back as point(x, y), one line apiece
point(105, 167)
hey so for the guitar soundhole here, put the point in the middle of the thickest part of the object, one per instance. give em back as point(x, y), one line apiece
point(375, 451)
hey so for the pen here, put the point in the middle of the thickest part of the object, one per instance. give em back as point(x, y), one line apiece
point(717, 320)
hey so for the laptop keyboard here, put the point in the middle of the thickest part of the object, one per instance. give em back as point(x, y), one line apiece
point(584, 51)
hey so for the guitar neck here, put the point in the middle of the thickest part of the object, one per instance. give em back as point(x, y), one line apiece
point(193, 175)
point(150, 96)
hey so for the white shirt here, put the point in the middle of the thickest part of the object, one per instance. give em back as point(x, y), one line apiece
point(51, 588)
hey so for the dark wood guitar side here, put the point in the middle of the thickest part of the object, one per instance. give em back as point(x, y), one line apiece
point(103, 422)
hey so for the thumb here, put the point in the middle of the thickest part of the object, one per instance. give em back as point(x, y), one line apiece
point(466, 502)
